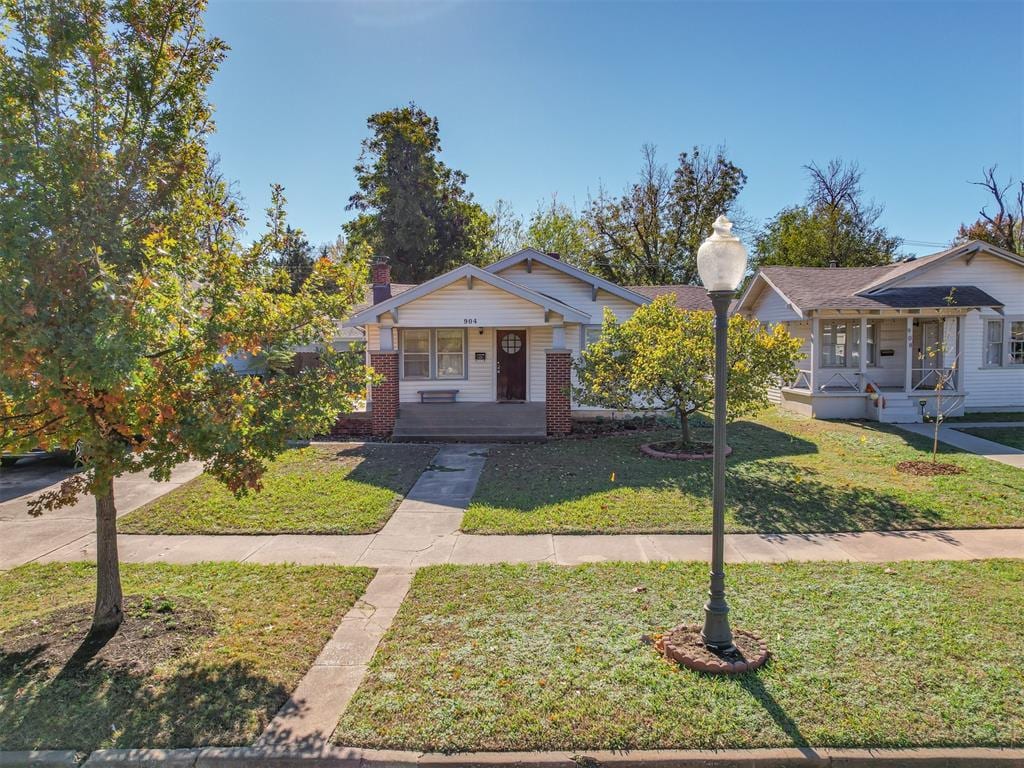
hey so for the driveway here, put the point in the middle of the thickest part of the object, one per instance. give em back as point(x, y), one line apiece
point(24, 538)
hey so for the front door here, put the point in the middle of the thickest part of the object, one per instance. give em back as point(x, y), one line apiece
point(511, 364)
point(927, 352)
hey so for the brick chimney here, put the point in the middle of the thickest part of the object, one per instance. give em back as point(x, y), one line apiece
point(380, 277)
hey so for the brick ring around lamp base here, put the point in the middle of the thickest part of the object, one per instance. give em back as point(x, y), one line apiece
point(648, 449)
point(683, 645)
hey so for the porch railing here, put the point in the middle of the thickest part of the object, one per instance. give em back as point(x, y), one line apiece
point(838, 380)
point(801, 381)
point(931, 379)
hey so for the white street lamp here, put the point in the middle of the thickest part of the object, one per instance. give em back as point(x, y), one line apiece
point(721, 263)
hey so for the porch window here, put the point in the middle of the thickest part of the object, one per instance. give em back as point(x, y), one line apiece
point(416, 353)
point(1017, 342)
point(834, 344)
point(451, 353)
point(994, 342)
point(591, 333)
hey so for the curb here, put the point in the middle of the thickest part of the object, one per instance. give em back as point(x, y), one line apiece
point(42, 758)
point(343, 757)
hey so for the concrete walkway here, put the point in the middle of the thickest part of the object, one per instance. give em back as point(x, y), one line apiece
point(990, 450)
point(311, 713)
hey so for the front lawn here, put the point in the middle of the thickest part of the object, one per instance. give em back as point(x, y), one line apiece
point(1011, 436)
point(787, 473)
point(323, 488)
point(541, 657)
point(221, 647)
point(988, 416)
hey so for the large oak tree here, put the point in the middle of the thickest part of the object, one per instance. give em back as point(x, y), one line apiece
point(411, 207)
point(125, 289)
point(836, 225)
point(651, 232)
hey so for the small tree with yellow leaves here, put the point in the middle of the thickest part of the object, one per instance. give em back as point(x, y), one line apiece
point(664, 358)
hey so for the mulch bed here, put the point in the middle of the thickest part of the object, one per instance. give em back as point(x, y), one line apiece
point(683, 645)
point(674, 449)
point(154, 630)
point(583, 429)
point(929, 468)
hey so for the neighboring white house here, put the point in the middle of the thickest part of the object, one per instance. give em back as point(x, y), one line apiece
point(502, 334)
point(878, 340)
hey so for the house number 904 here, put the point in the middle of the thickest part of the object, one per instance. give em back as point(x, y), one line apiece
point(469, 321)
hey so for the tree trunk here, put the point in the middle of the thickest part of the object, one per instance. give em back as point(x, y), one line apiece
point(109, 609)
point(684, 426)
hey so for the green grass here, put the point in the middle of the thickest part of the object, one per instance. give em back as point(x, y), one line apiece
point(322, 488)
point(1011, 436)
point(270, 623)
point(541, 657)
point(787, 473)
point(988, 416)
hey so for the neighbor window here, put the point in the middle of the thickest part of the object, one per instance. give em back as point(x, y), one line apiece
point(1017, 342)
point(840, 344)
point(994, 342)
point(591, 333)
point(451, 353)
point(416, 353)
point(433, 353)
point(834, 344)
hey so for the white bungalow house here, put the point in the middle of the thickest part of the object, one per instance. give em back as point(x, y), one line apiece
point(879, 340)
point(487, 351)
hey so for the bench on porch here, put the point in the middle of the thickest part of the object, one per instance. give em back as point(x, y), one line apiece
point(438, 395)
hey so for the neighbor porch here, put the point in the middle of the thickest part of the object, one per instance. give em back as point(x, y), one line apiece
point(892, 368)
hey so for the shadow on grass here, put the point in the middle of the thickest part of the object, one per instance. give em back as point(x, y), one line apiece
point(392, 466)
point(766, 493)
point(84, 706)
point(753, 685)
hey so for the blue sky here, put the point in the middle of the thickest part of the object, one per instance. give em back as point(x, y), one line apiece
point(558, 97)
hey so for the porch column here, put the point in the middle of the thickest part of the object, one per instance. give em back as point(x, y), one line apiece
point(815, 351)
point(863, 354)
point(558, 390)
point(909, 382)
point(385, 393)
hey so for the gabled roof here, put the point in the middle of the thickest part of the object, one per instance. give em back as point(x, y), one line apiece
point(557, 264)
point(899, 272)
point(691, 297)
point(815, 288)
point(372, 313)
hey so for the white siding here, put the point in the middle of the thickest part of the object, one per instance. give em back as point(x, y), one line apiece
point(569, 290)
point(772, 308)
point(986, 387)
point(454, 304)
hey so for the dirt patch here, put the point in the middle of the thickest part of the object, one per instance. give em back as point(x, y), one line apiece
point(588, 428)
point(154, 630)
point(929, 468)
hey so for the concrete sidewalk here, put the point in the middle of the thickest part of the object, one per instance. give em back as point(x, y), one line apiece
point(432, 544)
point(950, 435)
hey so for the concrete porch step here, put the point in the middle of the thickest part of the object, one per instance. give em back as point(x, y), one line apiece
point(482, 422)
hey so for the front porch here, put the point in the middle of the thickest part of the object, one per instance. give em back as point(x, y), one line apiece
point(893, 369)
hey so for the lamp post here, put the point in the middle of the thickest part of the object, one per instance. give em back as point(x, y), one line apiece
point(721, 263)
